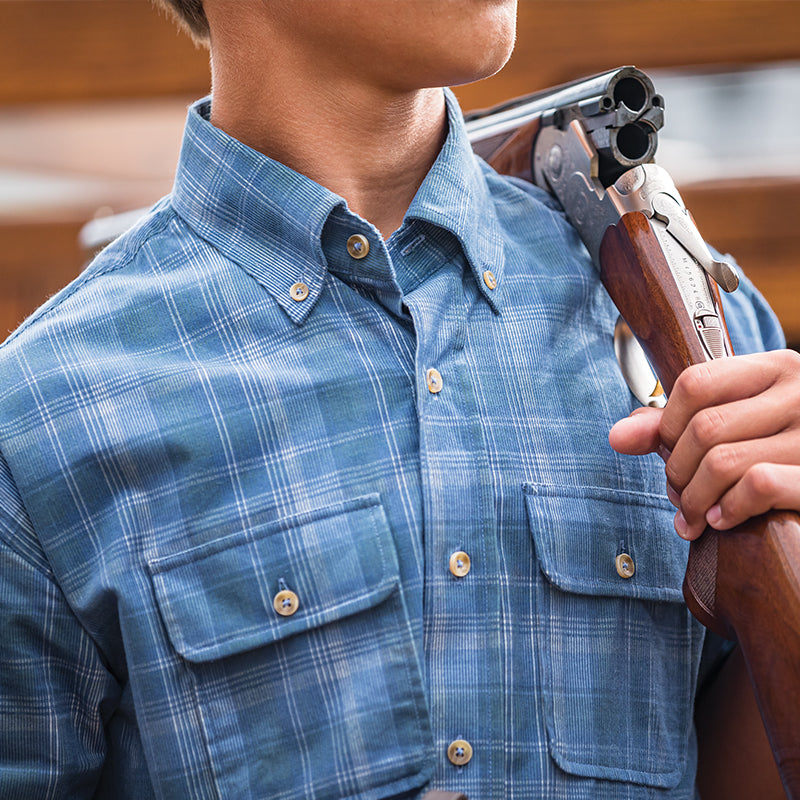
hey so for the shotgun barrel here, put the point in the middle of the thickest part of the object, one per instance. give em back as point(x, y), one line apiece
point(619, 110)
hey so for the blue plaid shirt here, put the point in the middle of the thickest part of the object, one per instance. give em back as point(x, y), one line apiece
point(283, 518)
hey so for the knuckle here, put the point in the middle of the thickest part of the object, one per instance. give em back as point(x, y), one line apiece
point(722, 462)
point(761, 481)
point(731, 507)
point(691, 383)
point(706, 427)
point(790, 362)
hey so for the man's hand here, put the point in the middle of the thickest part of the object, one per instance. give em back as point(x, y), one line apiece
point(730, 437)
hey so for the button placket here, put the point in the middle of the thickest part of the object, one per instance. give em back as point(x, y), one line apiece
point(447, 421)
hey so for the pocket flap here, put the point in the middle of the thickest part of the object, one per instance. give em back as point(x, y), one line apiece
point(217, 599)
point(579, 532)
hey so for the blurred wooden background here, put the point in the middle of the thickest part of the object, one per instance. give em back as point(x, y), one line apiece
point(93, 95)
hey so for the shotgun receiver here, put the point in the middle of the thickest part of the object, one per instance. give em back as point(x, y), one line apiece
point(591, 143)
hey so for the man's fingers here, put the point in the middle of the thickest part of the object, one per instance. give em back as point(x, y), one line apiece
point(737, 467)
point(730, 436)
point(723, 381)
point(715, 433)
point(763, 487)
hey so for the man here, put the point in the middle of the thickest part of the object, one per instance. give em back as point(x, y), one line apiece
point(305, 489)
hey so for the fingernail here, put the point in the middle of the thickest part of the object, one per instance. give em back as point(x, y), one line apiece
point(681, 526)
point(714, 515)
point(673, 496)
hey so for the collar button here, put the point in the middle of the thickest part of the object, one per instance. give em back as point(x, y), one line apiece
point(358, 246)
point(298, 292)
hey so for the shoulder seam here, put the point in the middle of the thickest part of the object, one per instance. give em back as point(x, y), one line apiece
point(9, 542)
point(84, 279)
point(46, 573)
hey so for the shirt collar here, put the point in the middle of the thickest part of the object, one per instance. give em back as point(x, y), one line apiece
point(454, 196)
point(269, 219)
point(258, 212)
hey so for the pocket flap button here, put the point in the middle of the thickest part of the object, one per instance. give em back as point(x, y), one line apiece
point(625, 565)
point(286, 602)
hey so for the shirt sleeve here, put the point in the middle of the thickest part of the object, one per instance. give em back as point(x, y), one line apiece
point(55, 692)
point(752, 324)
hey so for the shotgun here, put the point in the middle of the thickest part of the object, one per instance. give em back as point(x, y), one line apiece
point(591, 143)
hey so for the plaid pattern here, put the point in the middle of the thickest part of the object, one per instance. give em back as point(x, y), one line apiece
point(182, 440)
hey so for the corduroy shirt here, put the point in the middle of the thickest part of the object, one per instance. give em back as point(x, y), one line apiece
point(288, 511)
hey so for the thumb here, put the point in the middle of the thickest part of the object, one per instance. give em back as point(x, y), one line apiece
point(637, 434)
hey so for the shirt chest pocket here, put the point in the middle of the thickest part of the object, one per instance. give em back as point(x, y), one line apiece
point(301, 655)
point(617, 649)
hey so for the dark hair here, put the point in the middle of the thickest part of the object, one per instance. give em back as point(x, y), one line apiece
point(191, 17)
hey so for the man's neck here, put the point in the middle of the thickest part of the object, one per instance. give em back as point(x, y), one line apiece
point(373, 147)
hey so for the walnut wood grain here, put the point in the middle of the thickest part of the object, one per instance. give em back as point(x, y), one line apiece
point(511, 154)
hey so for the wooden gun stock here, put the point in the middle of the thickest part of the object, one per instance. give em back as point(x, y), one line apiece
point(743, 584)
point(510, 153)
